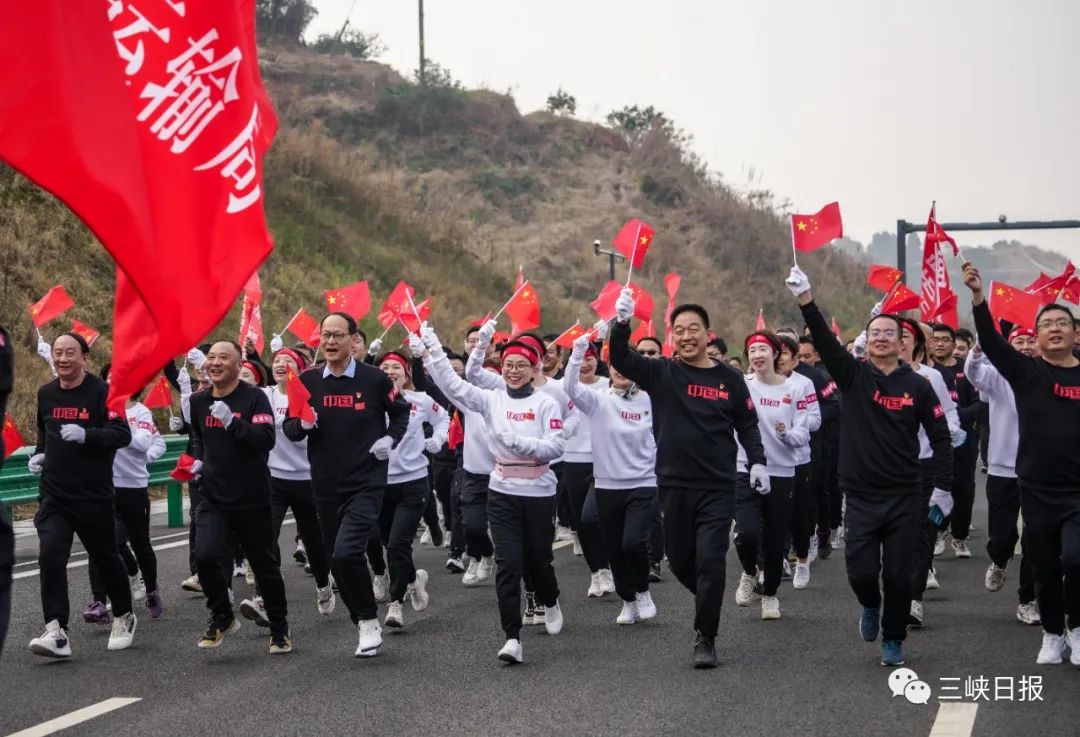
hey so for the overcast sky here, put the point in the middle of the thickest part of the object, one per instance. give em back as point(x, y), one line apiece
point(882, 106)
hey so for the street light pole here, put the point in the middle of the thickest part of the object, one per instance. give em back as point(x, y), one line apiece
point(612, 255)
point(423, 77)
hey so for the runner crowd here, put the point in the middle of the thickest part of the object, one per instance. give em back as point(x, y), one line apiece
point(802, 444)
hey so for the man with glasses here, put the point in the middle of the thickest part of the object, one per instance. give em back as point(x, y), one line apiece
point(883, 405)
point(1047, 391)
point(359, 417)
point(650, 348)
point(699, 406)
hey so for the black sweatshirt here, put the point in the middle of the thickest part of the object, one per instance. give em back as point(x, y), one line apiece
point(968, 405)
point(235, 474)
point(880, 418)
point(353, 412)
point(1047, 410)
point(829, 406)
point(696, 413)
point(74, 471)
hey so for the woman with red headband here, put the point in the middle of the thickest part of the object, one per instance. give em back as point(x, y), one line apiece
point(290, 488)
point(405, 497)
point(525, 432)
point(783, 421)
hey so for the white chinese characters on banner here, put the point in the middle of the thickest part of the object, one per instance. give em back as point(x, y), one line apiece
point(238, 162)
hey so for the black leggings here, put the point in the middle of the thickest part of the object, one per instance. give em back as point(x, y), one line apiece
point(522, 527)
point(297, 495)
point(763, 518)
point(399, 518)
point(963, 490)
point(474, 498)
point(586, 520)
point(132, 525)
point(804, 505)
point(1003, 511)
point(625, 515)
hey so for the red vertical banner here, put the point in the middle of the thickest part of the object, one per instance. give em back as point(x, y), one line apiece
point(936, 290)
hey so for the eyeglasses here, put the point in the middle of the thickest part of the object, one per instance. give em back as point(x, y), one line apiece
point(649, 352)
point(688, 330)
point(888, 334)
point(515, 366)
point(327, 337)
point(1061, 322)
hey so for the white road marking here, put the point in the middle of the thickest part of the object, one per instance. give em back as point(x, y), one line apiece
point(83, 552)
point(561, 544)
point(76, 717)
point(954, 719)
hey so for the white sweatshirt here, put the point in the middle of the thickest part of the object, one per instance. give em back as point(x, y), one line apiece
point(624, 454)
point(813, 414)
point(784, 402)
point(536, 421)
point(288, 460)
point(952, 418)
point(407, 460)
point(147, 445)
point(579, 446)
point(1005, 432)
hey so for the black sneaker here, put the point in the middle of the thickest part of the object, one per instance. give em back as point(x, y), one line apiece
point(280, 643)
point(530, 609)
point(654, 572)
point(454, 564)
point(436, 536)
point(216, 631)
point(300, 555)
point(824, 547)
point(704, 652)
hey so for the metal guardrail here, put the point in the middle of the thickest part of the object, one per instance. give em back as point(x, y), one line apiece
point(19, 486)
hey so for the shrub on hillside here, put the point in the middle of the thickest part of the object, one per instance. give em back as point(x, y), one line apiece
point(356, 44)
point(284, 20)
point(562, 103)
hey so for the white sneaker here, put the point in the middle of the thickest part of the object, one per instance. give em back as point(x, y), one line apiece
point(960, 549)
point(744, 594)
point(425, 539)
point(486, 568)
point(939, 544)
point(191, 583)
point(915, 613)
point(596, 589)
point(801, 579)
point(394, 617)
point(249, 574)
point(380, 586)
point(123, 631)
point(813, 554)
point(563, 534)
point(254, 610)
point(1028, 613)
point(629, 613)
point(577, 544)
point(325, 599)
point(53, 643)
point(770, 607)
point(138, 588)
point(417, 591)
point(553, 619)
point(646, 609)
point(931, 580)
point(238, 569)
point(1052, 651)
point(469, 578)
point(511, 652)
point(607, 581)
point(1073, 636)
point(370, 638)
point(995, 578)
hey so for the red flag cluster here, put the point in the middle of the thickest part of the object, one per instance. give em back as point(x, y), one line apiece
point(1049, 289)
point(1012, 304)
point(897, 295)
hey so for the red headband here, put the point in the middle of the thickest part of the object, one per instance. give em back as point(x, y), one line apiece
point(523, 351)
point(531, 342)
point(301, 363)
point(255, 370)
point(907, 327)
point(591, 351)
point(759, 338)
point(1017, 332)
point(399, 359)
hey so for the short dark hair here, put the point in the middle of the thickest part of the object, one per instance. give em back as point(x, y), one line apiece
point(719, 344)
point(690, 307)
point(889, 316)
point(807, 340)
point(940, 327)
point(652, 339)
point(349, 321)
point(451, 356)
point(84, 347)
point(233, 343)
point(472, 329)
point(786, 341)
point(965, 335)
point(1053, 306)
point(362, 334)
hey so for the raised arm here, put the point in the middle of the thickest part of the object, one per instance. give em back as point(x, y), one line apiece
point(583, 398)
point(475, 373)
point(460, 392)
point(1014, 367)
point(646, 372)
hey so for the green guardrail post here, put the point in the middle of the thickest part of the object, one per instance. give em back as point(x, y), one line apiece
point(175, 496)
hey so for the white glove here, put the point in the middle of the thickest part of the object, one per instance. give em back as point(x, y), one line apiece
point(183, 380)
point(36, 464)
point(759, 479)
point(431, 340)
point(276, 343)
point(486, 333)
point(943, 500)
point(624, 305)
point(221, 412)
point(601, 327)
point(876, 309)
point(373, 349)
point(73, 434)
point(858, 348)
point(416, 344)
point(176, 424)
point(309, 425)
point(196, 468)
point(581, 344)
point(960, 438)
point(196, 358)
point(510, 440)
point(381, 448)
point(797, 281)
point(44, 350)
point(433, 444)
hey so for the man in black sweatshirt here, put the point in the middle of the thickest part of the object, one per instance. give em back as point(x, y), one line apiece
point(232, 434)
point(1047, 390)
point(698, 407)
point(883, 405)
point(77, 437)
point(360, 418)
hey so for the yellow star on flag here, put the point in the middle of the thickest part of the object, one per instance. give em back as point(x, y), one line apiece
point(801, 225)
point(1000, 292)
point(332, 299)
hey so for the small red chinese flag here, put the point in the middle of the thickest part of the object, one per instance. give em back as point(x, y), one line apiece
point(160, 394)
point(299, 398)
point(182, 472)
point(12, 439)
point(604, 304)
point(1012, 304)
point(633, 241)
point(481, 321)
point(901, 299)
point(85, 332)
point(1071, 291)
point(304, 327)
point(882, 278)
point(523, 309)
point(644, 330)
point(835, 329)
point(396, 304)
point(456, 435)
point(55, 303)
point(409, 319)
point(760, 324)
point(810, 232)
point(353, 300)
point(566, 340)
point(1051, 287)
point(253, 288)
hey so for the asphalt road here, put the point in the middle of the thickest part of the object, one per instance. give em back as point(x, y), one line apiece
point(808, 673)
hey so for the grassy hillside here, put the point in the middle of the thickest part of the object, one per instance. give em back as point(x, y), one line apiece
point(374, 178)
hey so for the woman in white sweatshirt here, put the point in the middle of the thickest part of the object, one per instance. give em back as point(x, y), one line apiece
point(525, 429)
point(406, 495)
point(783, 419)
point(624, 466)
